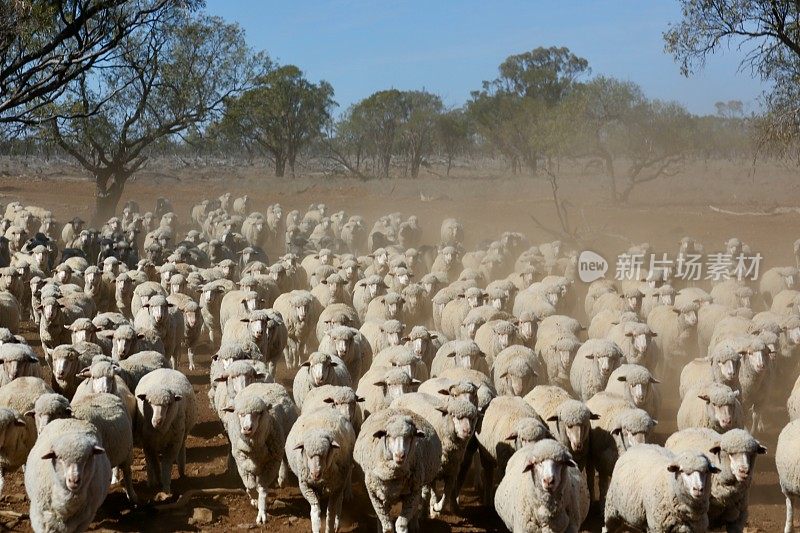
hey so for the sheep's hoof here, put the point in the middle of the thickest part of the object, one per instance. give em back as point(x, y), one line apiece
point(254, 503)
point(261, 518)
point(191, 367)
point(162, 497)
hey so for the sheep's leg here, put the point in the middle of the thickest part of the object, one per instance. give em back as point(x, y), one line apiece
point(384, 520)
point(127, 477)
point(603, 485)
point(153, 469)
point(115, 475)
point(2, 482)
point(271, 368)
point(316, 517)
point(283, 473)
point(334, 511)
point(466, 463)
point(182, 461)
point(590, 481)
point(261, 517)
point(488, 480)
point(190, 356)
point(789, 513)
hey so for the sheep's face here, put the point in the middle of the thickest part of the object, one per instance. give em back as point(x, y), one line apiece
point(504, 339)
point(741, 464)
point(105, 383)
point(318, 459)
point(499, 303)
point(728, 369)
point(793, 335)
point(92, 279)
point(393, 338)
point(74, 467)
point(517, 385)
point(721, 415)
point(474, 300)
point(237, 383)
point(15, 368)
point(250, 422)
point(547, 474)
point(158, 313)
point(527, 329)
point(398, 447)
point(258, 329)
point(342, 346)
point(420, 345)
point(565, 358)
point(695, 483)
point(688, 318)
point(301, 311)
point(757, 360)
point(162, 409)
point(64, 365)
point(121, 347)
point(347, 409)
point(552, 296)
point(64, 276)
point(336, 292)
point(744, 301)
point(165, 276)
point(665, 298)
point(640, 342)
point(605, 363)
point(462, 427)
point(123, 289)
point(393, 308)
point(51, 310)
point(462, 360)
point(633, 303)
point(381, 259)
point(320, 372)
point(40, 258)
point(190, 318)
point(82, 335)
point(577, 436)
point(639, 393)
point(470, 328)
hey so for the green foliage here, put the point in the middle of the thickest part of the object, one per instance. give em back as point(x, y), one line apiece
point(281, 115)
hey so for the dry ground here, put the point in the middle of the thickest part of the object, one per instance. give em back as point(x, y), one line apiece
point(661, 213)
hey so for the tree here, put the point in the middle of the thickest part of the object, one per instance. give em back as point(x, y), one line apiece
point(452, 135)
point(282, 114)
point(173, 76)
point(419, 128)
point(47, 44)
point(508, 110)
point(768, 31)
point(381, 117)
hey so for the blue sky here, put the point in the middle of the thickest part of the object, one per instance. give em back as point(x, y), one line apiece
point(450, 46)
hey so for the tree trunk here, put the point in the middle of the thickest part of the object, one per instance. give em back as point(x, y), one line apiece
point(416, 161)
point(108, 191)
point(449, 165)
point(280, 166)
point(386, 160)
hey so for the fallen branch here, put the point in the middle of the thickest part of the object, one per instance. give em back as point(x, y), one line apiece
point(12, 515)
point(184, 498)
point(772, 212)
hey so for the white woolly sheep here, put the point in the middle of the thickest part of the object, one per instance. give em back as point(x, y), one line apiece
point(715, 406)
point(594, 362)
point(319, 451)
point(721, 366)
point(788, 465)
point(17, 360)
point(67, 476)
point(635, 341)
point(259, 421)
point(515, 371)
point(734, 453)
point(348, 345)
point(542, 490)
point(381, 385)
point(105, 376)
point(636, 384)
point(675, 327)
point(619, 427)
point(342, 399)
point(776, 280)
point(320, 369)
point(463, 354)
point(266, 329)
point(166, 413)
point(399, 453)
point(67, 361)
point(158, 314)
point(655, 490)
point(298, 312)
point(732, 293)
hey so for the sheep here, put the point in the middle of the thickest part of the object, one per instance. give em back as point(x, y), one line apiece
point(106, 376)
point(635, 341)
point(138, 365)
point(67, 361)
point(732, 293)
point(266, 329)
point(774, 281)
point(657, 490)
point(460, 382)
point(402, 357)
point(424, 343)
point(734, 453)
point(210, 303)
point(166, 413)
point(500, 420)
point(594, 362)
point(786, 302)
point(19, 432)
point(238, 303)
point(48, 407)
point(788, 466)
point(67, 476)
point(109, 414)
point(17, 360)
point(379, 386)
point(383, 308)
point(319, 451)
point(342, 399)
point(298, 314)
point(495, 336)
point(675, 329)
point(569, 420)
point(515, 371)
point(365, 291)
point(721, 366)
point(160, 315)
point(630, 299)
point(399, 453)
point(542, 490)
point(602, 323)
point(619, 427)
point(454, 421)
point(320, 369)
point(715, 406)
point(10, 312)
point(238, 375)
point(464, 354)
point(260, 419)
point(333, 315)
point(636, 384)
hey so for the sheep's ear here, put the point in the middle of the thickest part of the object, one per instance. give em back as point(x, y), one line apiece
point(676, 311)
point(512, 436)
point(178, 397)
point(629, 334)
point(221, 378)
point(616, 431)
point(673, 468)
point(405, 339)
point(529, 466)
point(142, 397)
point(335, 444)
point(553, 418)
point(761, 449)
point(737, 393)
point(49, 455)
point(444, 392)
point(85, 373)
point(260, 375)
point(622, 378)
point(379, 434)
point(328, 400)
point(654, 380)
point(420, 434)
point(715, 449)
point(306, 364)
point(334, 363)
point(299, 446)
point(97, 450)
point(19, 422)
point(653, 334)
point(442, 410)
point(30, 414)
point(434, 336)
point(593, 416)
point(415, 383)
point(570, 462)
point(451, 354)
point(380, 383)
point(360, 399)
point(228, 409)
point(589, 356)
point(704, 397)
point(713, 469)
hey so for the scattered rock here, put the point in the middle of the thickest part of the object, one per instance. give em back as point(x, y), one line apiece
point(201, 516)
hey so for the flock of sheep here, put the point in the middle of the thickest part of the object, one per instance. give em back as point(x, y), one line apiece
point(413, 369)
